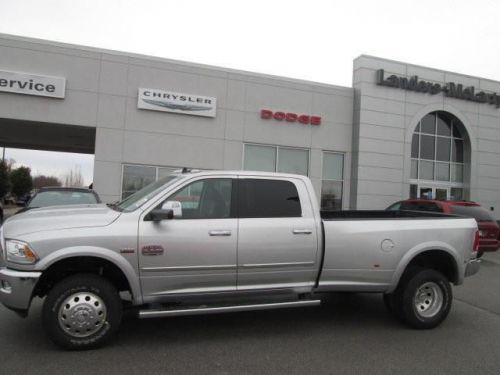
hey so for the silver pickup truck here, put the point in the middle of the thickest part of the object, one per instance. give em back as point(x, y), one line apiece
point(200, 242)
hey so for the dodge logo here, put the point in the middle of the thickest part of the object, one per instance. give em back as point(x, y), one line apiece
point(267, 114)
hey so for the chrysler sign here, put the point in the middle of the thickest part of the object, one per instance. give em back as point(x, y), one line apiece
point(168, 101)
point(31, 84)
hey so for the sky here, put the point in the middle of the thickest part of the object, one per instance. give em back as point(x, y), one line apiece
point(314, 40)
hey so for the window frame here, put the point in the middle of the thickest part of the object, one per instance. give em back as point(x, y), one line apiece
point(342, 181)
point(451, 138)
point(277, 153)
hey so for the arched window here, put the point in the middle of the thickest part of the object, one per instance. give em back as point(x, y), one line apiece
point(438, 157)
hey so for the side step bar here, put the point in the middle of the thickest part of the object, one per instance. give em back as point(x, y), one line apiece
point(225, 309)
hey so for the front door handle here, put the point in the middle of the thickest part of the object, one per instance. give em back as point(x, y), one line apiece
point(223, 233)
point(302, 231)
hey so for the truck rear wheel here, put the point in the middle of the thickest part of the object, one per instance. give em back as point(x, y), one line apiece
point(82, 312)
point(425, 298)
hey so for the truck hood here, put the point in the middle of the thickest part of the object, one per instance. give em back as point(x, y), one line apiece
point(59, 217)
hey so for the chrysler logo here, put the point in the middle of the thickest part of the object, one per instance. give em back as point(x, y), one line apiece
point(180, 107)
point(168, 101)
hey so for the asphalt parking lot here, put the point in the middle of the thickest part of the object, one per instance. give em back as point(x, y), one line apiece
point(348, 334)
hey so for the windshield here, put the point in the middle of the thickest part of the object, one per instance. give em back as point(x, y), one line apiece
point(140, 197)
point(60, 198)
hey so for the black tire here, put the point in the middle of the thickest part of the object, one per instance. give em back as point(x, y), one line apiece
point(479, 254)
point(436, 298)
point(98, 288)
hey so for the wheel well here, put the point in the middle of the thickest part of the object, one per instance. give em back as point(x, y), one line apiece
point(71, 266)
point(438, 260)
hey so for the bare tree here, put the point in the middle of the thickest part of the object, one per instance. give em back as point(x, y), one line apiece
point(44, 181)
point(74, 177)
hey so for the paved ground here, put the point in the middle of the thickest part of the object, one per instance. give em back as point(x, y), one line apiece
point(349, 334)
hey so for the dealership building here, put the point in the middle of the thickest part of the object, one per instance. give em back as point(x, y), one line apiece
point(400, 131)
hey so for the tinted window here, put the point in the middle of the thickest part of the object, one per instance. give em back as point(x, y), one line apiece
point(478, 213)
point(205, 199)
point(394, 207)
point(59, 198)
point(420, 206)
point(268, 198)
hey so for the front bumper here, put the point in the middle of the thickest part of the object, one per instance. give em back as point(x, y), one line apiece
point(16, 288)
point(472, 267)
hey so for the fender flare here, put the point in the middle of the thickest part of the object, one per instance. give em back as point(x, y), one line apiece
point(96, 252)
point(419, 249)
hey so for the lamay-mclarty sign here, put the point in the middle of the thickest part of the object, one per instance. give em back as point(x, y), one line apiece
point(449, 89)
point(167, 101)
point(31, 84)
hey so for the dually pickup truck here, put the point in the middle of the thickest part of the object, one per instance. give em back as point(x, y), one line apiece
point(200, 242)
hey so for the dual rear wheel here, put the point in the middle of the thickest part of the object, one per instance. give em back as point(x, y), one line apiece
point(422, 299)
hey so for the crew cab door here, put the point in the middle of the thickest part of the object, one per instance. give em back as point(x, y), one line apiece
point(277, 234)
point(195, 252)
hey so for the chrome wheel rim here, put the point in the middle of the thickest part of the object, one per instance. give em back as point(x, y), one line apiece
point(428, 300)
point(82, 314)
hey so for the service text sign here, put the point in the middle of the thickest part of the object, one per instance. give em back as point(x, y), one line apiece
point(32, 84)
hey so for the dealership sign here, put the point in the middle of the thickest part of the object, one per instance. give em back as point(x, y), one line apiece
point(449, 89)
point(31, 84)
point(267, 114)
point(168, 101)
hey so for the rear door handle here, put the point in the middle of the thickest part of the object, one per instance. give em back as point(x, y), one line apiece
point(223, 233)
point(302, 231)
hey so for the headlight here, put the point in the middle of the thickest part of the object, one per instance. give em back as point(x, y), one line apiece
point(19, 252)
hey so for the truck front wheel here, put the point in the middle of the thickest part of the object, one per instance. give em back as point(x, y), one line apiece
point(82, 312)
point(425, 296)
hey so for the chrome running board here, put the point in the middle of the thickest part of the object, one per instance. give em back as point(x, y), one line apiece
point(225, 309)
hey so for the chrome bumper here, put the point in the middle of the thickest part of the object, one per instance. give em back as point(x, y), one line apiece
point(472, 267)
point(16, 288)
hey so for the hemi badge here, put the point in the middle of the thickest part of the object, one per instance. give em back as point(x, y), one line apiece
point(127, 251)
point(152, 250)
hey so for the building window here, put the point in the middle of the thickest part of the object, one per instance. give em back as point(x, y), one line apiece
point(437, 149)
point(437, 157)
point(135, 177)
point(332, 181)
point(276, 159)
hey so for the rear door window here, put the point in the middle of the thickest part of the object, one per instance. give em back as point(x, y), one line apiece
point(477, 212)
point(268, 198)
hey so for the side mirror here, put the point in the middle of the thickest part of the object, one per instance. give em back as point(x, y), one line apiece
point(160, 214)
point(174, 206)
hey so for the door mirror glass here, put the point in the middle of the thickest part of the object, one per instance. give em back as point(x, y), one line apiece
point(175, 206)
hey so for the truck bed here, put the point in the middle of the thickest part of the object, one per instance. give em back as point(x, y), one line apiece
point(382, 214)
point(363, 250)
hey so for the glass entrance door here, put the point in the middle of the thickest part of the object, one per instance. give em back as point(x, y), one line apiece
point(433, 192)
